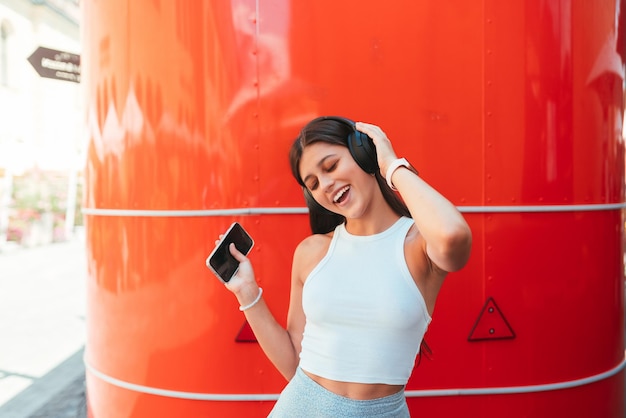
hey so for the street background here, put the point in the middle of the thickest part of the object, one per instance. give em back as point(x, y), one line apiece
point(42, 330)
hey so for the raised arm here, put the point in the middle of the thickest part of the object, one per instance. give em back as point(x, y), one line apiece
point(446, 233)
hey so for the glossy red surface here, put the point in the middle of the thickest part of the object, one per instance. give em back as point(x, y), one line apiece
point(193, 105)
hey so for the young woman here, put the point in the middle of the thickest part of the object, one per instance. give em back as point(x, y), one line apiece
point(364, 285)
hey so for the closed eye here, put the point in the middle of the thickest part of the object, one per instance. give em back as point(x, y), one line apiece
point(328, 164)
point(313, 184)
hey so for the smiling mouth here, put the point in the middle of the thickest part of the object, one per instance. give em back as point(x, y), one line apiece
point(341, 195)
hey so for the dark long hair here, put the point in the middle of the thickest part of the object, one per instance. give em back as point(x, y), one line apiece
point(333, 132)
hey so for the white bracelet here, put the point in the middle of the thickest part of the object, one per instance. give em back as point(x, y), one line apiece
point(400, 162)
point(254, 302)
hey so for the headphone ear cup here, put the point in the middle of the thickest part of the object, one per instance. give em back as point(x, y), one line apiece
point(363, 151)
point(360, 145)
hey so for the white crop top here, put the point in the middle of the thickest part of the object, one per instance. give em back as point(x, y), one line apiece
point(365, 316)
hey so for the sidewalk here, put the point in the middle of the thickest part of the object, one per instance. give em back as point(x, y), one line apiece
point(42, 330)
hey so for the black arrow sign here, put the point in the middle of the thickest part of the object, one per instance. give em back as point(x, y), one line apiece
point(55, 64)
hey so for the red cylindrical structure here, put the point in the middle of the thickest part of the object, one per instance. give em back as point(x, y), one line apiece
point(513, 110)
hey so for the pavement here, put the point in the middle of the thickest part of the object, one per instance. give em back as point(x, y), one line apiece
point(42, 330)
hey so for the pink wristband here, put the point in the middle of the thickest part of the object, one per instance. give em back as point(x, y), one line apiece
point(400, 162)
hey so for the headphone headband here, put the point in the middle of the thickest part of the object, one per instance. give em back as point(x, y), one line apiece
point(361, 146)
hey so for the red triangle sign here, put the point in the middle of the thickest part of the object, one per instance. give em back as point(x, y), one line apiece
point(246, 335)
point(491, 324)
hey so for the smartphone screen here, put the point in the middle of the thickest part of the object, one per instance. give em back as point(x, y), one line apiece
point(223, 264)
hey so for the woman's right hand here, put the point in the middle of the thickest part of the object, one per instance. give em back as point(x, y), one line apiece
point(244, 275)
point(243, 281)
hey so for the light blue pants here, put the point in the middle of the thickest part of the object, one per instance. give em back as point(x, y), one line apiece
point(304, 398)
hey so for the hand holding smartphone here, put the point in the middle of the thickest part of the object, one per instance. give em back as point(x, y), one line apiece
point(221, 261)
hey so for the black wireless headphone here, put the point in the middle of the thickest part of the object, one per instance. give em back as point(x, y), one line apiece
point(361, 146)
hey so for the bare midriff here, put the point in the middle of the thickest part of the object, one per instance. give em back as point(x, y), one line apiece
point(357, 391)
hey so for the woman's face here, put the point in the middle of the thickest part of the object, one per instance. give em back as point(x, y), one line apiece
point(335, 180)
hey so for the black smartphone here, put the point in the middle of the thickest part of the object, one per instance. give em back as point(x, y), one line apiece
point(220, 261)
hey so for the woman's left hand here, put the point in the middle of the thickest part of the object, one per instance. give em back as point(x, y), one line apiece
point(384, 150)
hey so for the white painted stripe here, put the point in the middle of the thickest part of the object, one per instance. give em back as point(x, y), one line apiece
point(540, 208)
point(178, 394)
point(409, 393)
point(303, 210)
point(191, 213)
point(518, 389)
